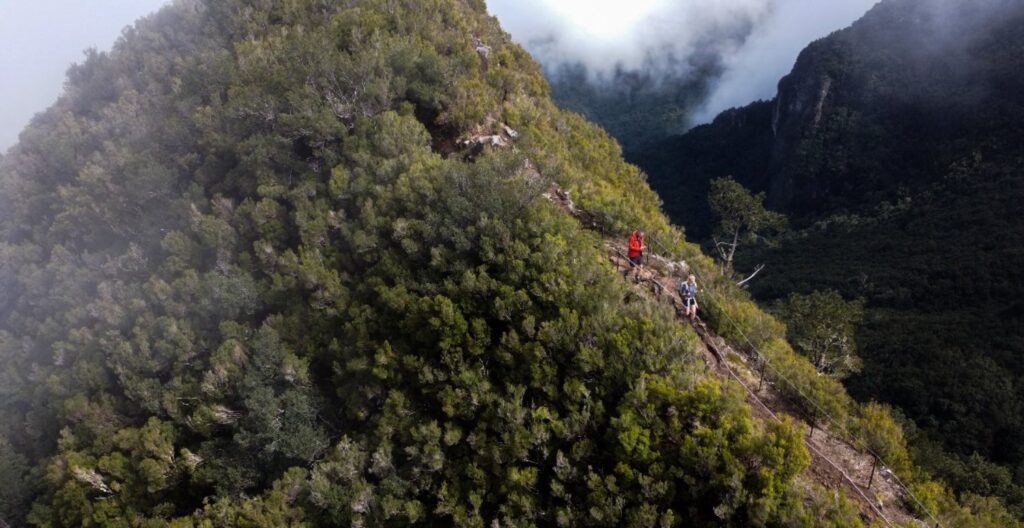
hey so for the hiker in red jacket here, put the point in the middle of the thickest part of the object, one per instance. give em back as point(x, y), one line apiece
point(636, 254)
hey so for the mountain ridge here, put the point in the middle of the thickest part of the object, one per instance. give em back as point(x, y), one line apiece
point(893, 147)
point(260, 267)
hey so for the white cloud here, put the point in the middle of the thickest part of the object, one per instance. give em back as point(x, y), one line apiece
point(757, 41)
point(753, 72)
point(604, 34)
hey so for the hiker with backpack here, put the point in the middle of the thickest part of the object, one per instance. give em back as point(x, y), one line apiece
point(688, 294)
point(636, 254)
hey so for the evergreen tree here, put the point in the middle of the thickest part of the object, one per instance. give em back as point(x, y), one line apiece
point(260, 269)
point(821, 327)
point(742, 216)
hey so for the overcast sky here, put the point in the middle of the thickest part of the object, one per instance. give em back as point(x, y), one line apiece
point(39, 39)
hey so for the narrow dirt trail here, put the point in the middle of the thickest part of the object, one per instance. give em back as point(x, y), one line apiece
point(835, 464)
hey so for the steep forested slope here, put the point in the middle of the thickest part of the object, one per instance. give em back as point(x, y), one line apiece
point(889, 104)
point(258, 270)
point(261, 266)
point(638, 108)
point(895, 147)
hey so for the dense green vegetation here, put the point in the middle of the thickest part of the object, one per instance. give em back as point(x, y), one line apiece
point(249, 278)
point(942, 332)
point(821, 327)
point(742, 217)
point(243, 285)
point(894, 146)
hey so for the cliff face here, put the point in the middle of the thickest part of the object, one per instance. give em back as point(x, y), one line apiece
point(891, 101)
point(797, 112)
point(894, 146)
point(886, 107)
point(290, 264)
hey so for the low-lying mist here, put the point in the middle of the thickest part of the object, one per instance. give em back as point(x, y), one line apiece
point(734, 50)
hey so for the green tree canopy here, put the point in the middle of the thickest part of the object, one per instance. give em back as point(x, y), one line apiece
point(741, 214)
point(266, 264)
point(821, 327)
point(261, 267)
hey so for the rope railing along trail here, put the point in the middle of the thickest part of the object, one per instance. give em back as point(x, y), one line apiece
point(832, 421)
point(562, 199)
point(706, 338)
point(815, 450)
point(835, 424)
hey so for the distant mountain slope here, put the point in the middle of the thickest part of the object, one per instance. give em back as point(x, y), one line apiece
point(889, 103)
point(895, 145)
point(681, 169)
point(289, 264)
point(637, 108)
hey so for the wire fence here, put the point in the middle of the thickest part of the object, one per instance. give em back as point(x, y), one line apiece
point(835, 424)
point(774, 416)
point(600, 221)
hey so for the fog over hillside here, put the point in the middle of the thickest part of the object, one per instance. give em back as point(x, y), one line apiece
point(744, 46)
point(751, 43)
point(39, 40)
